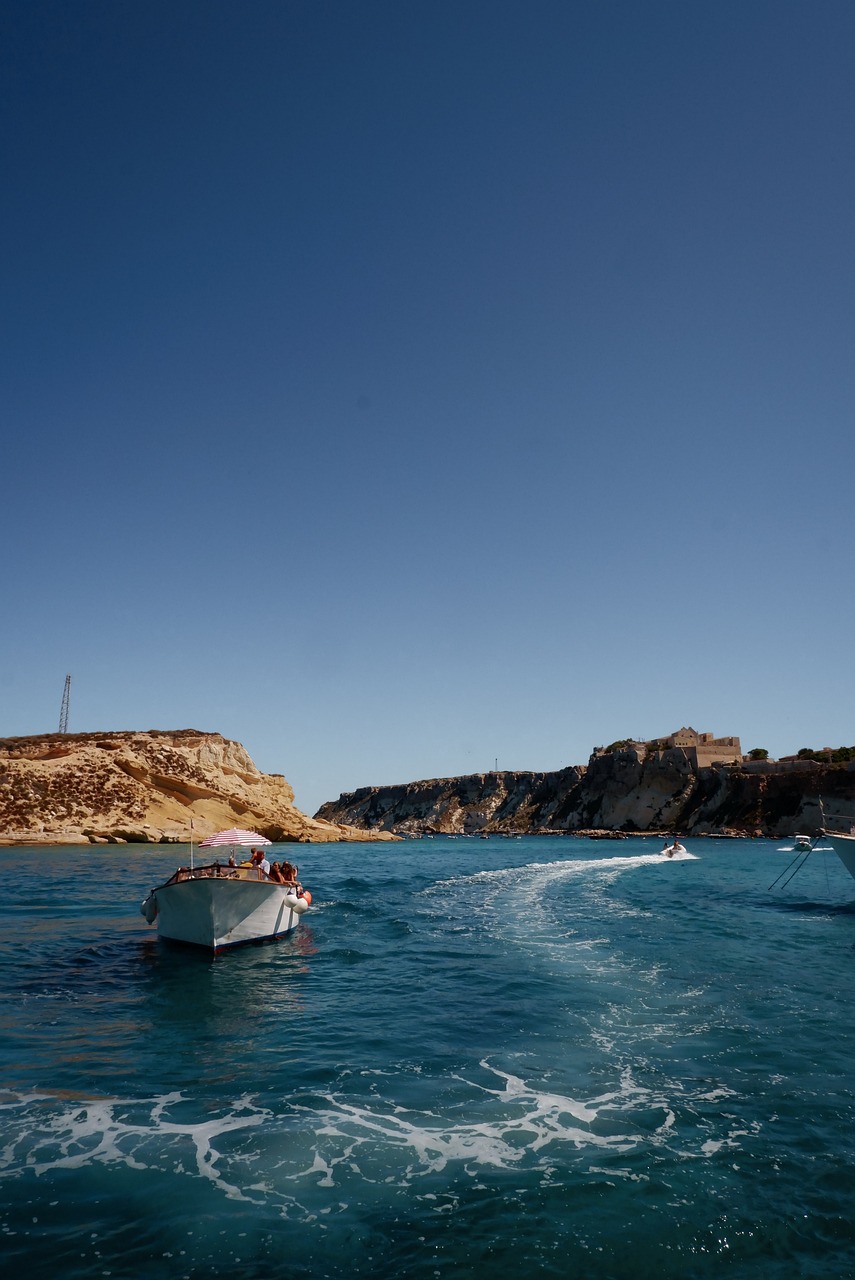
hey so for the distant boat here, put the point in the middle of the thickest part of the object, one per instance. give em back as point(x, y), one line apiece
point(671, 849)
point(802, 842)
point(220, 906)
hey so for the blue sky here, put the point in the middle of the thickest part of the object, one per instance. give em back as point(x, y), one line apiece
point(402, 387)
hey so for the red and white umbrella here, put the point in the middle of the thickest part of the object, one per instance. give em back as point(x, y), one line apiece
point(236, 837)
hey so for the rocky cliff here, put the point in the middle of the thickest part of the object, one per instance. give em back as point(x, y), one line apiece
point(479, 802)
point(622, 791)
point(145, 787)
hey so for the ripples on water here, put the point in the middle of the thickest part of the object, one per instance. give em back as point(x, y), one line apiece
point(475, 1058)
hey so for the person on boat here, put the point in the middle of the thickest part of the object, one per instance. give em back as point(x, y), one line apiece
point(667, 850)
point(276, 874)
point(261, 862)
point(289, 871)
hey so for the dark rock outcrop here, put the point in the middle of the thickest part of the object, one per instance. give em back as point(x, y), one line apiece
point(510, 802)
point(632, 789)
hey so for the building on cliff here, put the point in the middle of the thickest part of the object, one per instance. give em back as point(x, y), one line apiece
point(704, 749)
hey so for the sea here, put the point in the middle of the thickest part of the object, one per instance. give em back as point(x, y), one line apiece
point(475, 1058)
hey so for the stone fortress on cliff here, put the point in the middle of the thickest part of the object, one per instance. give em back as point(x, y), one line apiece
point(702, 749)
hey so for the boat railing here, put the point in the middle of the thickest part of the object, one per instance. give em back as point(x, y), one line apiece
point(838, 824)
point(219, 871)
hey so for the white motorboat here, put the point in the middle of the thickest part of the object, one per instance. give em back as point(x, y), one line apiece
point(671, 849)
point(803, 842)
point(219, 906)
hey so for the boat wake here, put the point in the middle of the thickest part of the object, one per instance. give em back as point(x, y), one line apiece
point(584, 868)
point(534, 896)
point(345, 1141)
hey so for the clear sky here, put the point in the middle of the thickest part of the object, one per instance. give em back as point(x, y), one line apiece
point(399, 386)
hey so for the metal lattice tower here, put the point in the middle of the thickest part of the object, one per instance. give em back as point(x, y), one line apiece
point(63, 711)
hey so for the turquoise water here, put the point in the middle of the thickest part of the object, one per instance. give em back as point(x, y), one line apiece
point(475, 1058)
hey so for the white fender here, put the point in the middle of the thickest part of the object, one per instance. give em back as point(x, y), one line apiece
point(148, 908)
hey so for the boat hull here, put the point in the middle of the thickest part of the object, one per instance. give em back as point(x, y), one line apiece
point(844, 847)
point(221, 913)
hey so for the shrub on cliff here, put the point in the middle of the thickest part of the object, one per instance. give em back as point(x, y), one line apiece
point(840, 755)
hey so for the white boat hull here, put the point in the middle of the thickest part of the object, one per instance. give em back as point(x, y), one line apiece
point(221, 913)
point(844, 847)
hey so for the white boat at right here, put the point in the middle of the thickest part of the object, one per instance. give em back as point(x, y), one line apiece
point(843, 844)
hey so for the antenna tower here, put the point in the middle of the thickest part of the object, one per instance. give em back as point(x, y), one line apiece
point(63, 711)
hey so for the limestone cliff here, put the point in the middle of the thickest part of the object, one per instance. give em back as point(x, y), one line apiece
point(145, 787)
point(632, 789)
point(479, 802)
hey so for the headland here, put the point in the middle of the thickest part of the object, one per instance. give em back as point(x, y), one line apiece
point(123, 787)
point(688, 782)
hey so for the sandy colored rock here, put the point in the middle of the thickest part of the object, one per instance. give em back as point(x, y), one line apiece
point(127, 787)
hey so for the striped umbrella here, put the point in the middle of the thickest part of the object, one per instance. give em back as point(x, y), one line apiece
point(235, 836)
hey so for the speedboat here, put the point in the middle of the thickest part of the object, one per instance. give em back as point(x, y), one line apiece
point(803, 842)
point(219, 906)
point(671, 849)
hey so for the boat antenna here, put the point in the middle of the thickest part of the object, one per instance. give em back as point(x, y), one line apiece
point(191, 844)
point(63, 711)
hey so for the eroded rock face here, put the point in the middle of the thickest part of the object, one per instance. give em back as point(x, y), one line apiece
point(144, 787)
point(510, 802)
point(629, 790)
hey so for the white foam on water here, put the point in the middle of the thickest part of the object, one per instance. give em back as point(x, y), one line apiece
point(521, 1123)
point(549, 908)
point(559, 870)
point(527, 886)
point(730, 1142)
point(52, 1135)
point(249, 1152)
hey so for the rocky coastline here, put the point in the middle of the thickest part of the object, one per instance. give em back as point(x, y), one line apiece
point(628, 791)
point(126, 787)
